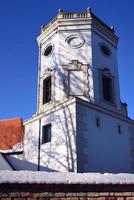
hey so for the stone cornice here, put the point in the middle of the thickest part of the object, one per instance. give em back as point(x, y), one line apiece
point(104, 110)
point(77, 16)
point(57, 106)
point(76, 21)
point(84, 103)
point(100, 30)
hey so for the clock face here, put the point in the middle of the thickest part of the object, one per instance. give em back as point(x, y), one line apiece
point(105, 49)
point(75, 41)
point(48, 50)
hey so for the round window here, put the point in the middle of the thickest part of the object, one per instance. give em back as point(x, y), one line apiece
point(105, 50)
point(48, 50)
point(75, 41)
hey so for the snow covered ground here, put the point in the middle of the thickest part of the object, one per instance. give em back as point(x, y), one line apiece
point(64, 178)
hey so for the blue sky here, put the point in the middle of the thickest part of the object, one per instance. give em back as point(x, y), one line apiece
point(20, 22)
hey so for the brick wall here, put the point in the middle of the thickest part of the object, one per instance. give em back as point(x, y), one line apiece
point(68, 196)
point(66, 192)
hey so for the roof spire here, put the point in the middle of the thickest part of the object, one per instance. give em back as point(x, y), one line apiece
point(112, 28)
point(60, 10)
point(89, 9)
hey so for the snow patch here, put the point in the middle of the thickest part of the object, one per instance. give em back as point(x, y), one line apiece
point(64, 178)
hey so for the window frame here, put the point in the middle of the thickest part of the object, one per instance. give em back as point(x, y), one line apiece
point(46, 98)
point(75, 65)
point(103, 45)
point(106, 72)
point(45, 134)
point(46, 48)
point(107, 94)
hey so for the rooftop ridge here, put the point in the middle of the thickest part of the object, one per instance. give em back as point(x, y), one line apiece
point(11, 119)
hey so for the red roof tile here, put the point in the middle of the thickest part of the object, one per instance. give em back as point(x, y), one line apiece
point(11, 133)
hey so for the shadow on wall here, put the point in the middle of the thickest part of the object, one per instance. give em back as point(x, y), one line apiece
point(66, 57)
point(61, 152)
point(65, 122)
point(18, 164)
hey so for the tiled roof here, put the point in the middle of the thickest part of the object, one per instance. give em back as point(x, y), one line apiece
point(11, 134)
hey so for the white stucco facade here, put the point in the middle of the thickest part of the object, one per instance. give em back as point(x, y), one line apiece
point(104, 148)
point(60, 153)
point(88, 132)
point(101, 61)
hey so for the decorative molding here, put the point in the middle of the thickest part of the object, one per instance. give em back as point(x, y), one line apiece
point(81, 22)
point(124, 108)
point(107, 72)
point(75, 41)
point(45, 48)
point(92, 106)
point(48, 72)
point(76, 66)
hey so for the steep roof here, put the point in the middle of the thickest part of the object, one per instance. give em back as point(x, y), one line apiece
point(4, 164)
point(11, 135)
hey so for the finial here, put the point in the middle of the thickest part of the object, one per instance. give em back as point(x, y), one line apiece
point(42, 27)
point(89, 9)
point(112, 28)
point(60, 10)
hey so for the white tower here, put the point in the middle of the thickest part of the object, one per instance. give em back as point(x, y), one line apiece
point(81, 124)
point(79, 52)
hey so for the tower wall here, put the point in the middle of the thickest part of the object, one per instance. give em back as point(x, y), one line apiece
point(79, 38)
point(90, 132)
point(62, 55)
point(60, 153)
point(101, 146)
point(100, 62)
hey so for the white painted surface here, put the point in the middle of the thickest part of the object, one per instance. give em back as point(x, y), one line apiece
point(76, 82)
point(31, 139)
point(78, 144)
point(63, 54)
point(89, 53)
point(100, 61)
point(103, 149)
point(50, 61)
point(60, 153)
